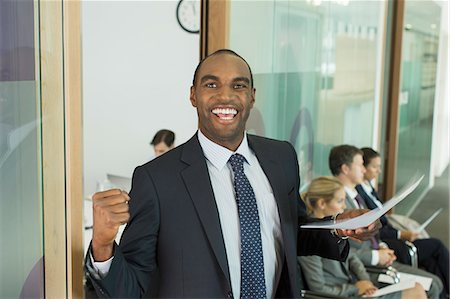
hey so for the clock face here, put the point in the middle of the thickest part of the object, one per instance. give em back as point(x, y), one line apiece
point(188, 15)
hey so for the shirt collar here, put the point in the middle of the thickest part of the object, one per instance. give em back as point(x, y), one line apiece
point(219, 155)
point(367, 187)
point(350, 192)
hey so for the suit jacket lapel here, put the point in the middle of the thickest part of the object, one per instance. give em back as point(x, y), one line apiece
point(198, 184)
point(349, 202)
point(276, 177)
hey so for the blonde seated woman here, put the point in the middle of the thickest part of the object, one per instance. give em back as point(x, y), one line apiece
point(326, 196)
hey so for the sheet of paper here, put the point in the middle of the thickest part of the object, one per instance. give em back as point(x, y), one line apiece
point(403, 285)
point(422, 227)
point(424, 281)
point(369, 217)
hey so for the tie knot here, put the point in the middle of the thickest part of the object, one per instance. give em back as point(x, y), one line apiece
point(237, 162)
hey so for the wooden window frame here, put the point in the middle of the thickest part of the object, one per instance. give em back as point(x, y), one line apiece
point(61, 107)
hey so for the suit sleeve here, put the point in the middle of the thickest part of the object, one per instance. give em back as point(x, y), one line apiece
point(313, 270)
point(357, 267)
point(314, 242)
point(388, 232)
point(134, 259)
point(319, 241)
point(363, 250)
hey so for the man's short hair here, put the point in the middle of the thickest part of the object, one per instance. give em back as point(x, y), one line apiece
point(342, 155)
point(222, 51)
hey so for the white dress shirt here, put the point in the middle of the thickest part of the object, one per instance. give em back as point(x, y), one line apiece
point(368, 189)
point(221, 176)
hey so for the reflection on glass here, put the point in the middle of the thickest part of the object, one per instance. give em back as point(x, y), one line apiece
point(21, 252)
point(317, 69)
point(418, 77)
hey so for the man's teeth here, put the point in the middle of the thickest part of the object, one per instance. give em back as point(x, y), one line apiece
point(225, 113)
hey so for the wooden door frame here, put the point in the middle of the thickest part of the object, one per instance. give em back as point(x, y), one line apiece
point(214, 26)
point(60, 94)
point(393, 100)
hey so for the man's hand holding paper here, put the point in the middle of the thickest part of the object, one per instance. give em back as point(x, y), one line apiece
point(361, 233)
point(355, 221)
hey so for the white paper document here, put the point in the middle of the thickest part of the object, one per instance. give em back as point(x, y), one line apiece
point(369, 217)
point(424, 281)
point(422, 227)
point(402, 285)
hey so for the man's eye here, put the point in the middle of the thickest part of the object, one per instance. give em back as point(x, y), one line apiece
point(239, 86)
point(211, 85)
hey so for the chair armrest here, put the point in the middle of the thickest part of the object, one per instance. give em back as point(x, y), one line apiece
point(307, 294)
point(389, 271)
point(412, 250)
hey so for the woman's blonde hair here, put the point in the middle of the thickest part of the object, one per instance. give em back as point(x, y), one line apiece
point(322, 187)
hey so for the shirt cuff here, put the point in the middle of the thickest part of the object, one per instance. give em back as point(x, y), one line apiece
point(399, 234)
point(100, 269)
point(375, 257)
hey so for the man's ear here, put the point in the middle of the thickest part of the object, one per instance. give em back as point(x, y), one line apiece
point(253, 96)
point(192, 96)
point(345, 169)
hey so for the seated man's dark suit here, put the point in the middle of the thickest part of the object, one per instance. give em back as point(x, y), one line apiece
point(173, 244)
point(433, 256)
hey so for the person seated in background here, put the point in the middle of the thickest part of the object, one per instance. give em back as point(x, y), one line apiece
point(346, 164)
point(326, 197)
point(163, 141)
point(433, 256)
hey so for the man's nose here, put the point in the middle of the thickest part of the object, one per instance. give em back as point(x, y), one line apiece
point(227, 92)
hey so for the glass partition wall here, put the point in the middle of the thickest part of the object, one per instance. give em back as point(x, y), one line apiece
point(417, 90)
point(21, 238)
point(317, 67)
point(40, 120)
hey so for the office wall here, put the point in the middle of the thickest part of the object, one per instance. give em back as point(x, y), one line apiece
point(137, 68)
point(441, 130)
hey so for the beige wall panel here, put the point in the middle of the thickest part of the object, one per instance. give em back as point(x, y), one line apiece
point(53, 148)
point(74, 150)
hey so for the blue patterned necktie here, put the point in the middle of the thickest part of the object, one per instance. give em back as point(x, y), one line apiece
point(252, 263)
point(362, 205)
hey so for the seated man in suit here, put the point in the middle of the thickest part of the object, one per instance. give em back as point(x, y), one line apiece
point(346, 164)
point(215, 217)
point(433, 256)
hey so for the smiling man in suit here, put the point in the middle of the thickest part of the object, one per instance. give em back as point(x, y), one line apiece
point(218, 216)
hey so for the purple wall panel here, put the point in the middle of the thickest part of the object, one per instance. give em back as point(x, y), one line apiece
point(17, 40)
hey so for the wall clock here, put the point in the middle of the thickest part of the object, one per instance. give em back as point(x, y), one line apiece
point(188, 15)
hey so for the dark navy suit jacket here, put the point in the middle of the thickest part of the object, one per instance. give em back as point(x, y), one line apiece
point(387, 231)
point(173, 244)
